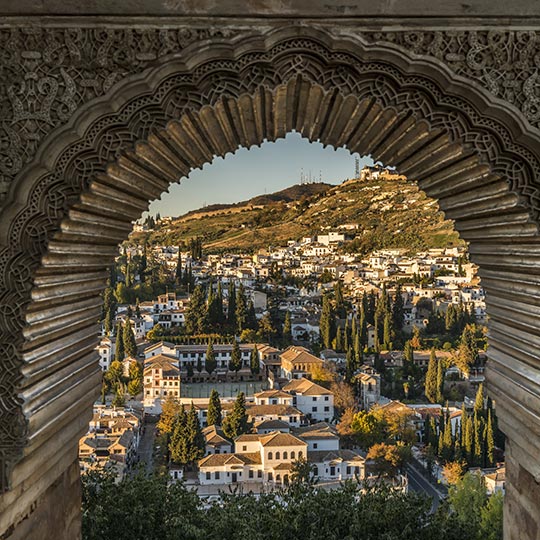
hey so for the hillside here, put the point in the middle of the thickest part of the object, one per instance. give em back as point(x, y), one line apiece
point(387, 213)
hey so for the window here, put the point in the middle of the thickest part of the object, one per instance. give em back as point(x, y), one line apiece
point(208, 475)
point(299, 454)
point(270, 455)
point(293, 455)
point(326, 398)
point(326, 409)
point(250, 474)
point(284, 455)
point(315, 445)
point(244, 447)
point(259, 474)
point(348, 470)
point(314, 409)
point(277, 455)
point(313, 399)
point(216, 475)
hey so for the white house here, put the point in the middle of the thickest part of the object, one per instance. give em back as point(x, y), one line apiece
point(316, 402)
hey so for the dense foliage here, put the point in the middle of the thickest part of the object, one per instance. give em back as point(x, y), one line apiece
point(145, 508)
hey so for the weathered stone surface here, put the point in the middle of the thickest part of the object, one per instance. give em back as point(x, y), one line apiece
point(56, 515)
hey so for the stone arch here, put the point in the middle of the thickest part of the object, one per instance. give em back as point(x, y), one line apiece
point(72, 206)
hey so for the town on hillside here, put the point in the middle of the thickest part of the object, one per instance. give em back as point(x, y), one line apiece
point(243, 370)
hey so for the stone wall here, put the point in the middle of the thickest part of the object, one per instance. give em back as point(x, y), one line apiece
point(56, 515)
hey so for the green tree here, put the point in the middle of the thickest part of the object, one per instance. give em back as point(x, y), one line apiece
point(177, 432)
point(367, 429)
point(196, 312)
point(236, 422)
point(440, 382)
point(479, 401)
point(254, 363)
point(214, 416)
point(194, 438)
point(241, 310)
point(178, 273)
point(467, 351)
point(210, 362)
point(231, 307)
point(115, 374)
point(236, 358)
point(388, 331)
point(119, 399)
point(170, 408)
point(431, 378)
point(156, 333)
point(491, 518)
point(119, 353)
point(327, 323)
point(490, 442)
point(398, 312)
point(466, 499)
point(135, 384)
point(128, 338)
point(266, 327)
point(287, 330)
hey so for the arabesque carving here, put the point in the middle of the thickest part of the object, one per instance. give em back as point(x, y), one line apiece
point(47, 73)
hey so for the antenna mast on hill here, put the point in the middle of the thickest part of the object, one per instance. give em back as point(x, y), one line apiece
point(357, 167)
point(301, 175)
point(320, 176)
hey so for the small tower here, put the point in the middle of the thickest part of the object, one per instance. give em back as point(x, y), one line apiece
point(357, 167)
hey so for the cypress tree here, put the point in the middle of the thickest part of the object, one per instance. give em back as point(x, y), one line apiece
point(447, 452)
point(479, 401)
point(210, 363)
point(199, 364)
point(468, 440)
point(119, 352)
point(358, 350)
point(194, 438)
point(339, 340)
point(178, 272)
point(490, 442)
point(214, 409)
point(433, 433)
point(177, 445)
point(440, 382)
point(408, 358)
point(231, 309)
point(350, 364)
point(287, 329)
point(128, 338)
point(254, 363)
point(241, 310)
point(397, 312)
point(196, 312)
point(219, 297)
point(477, 440)
point(431, 378)
point(327, 323)
point(388, 331)
point(251, 321)
point(236, 358)
point(236, 422)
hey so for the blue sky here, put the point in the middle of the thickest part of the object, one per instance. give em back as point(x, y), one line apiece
point(247, 173)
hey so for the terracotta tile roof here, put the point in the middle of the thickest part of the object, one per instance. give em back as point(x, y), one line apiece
point(320, 456)
point(267, 410)
point(280, 439)
point(215, 437)
point(273, 394)
point(272, 424)
point(306, 387)
point(300, 355)
point(166, 363)
point(219, 460)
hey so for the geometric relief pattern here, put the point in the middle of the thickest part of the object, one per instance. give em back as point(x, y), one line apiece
point(46, 74)
point(46, 87)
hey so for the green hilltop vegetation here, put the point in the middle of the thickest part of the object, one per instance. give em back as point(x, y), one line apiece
point(390, 213)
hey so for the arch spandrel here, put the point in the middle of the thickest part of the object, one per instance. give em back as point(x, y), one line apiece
point(76, 203)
